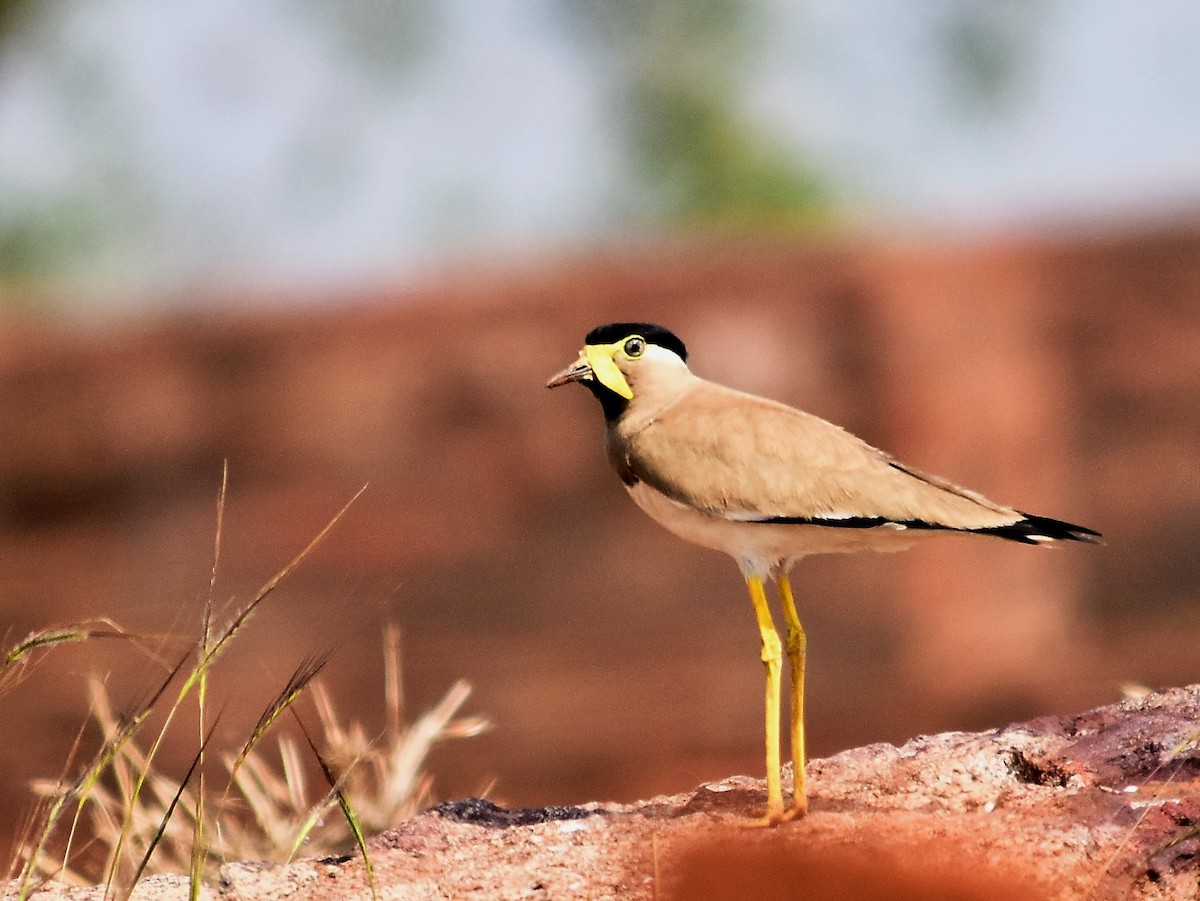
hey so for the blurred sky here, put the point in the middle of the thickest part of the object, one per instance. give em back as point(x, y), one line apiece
point(150, 148)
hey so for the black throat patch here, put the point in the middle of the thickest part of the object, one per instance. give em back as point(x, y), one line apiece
point(611, 402)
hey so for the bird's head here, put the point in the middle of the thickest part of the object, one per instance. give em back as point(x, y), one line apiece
point(620, 357)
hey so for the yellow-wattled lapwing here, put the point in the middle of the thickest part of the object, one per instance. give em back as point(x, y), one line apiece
point(767, 484)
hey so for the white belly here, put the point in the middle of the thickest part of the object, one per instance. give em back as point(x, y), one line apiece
point(758, 547)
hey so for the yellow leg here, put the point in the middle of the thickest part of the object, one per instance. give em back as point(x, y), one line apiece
point(772, 658)
point(797, 650)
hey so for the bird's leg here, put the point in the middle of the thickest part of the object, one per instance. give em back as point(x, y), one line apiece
point(797, 650)
point(772, 658)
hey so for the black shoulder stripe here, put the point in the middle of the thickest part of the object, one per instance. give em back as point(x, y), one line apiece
point(1030, 530)
point(849, 522)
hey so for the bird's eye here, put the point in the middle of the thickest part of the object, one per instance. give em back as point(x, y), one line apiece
point(635, 346)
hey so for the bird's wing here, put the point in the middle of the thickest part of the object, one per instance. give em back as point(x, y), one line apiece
point(744, 457)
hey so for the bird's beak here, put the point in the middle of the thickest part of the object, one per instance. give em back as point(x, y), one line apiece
point(595, 362)
point(579, 371)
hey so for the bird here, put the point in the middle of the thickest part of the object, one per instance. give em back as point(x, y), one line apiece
point(768, 484)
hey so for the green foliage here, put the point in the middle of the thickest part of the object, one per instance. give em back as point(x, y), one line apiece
point(678, 68)
point(704, 164)
point(13, 14)
point(34, 242)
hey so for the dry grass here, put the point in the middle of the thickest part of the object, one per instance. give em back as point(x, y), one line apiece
point(121, 818)
point(19, 660)
point(269, 808)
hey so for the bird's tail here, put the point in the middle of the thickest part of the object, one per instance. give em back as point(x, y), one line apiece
point(1030, 529)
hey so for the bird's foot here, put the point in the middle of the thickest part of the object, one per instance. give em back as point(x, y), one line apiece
point(776, 814)
point(765, 821)
point(798, 810)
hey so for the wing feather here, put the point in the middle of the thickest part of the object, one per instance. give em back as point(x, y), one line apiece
point(748, 458)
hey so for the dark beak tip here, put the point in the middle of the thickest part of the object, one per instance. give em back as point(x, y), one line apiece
point(573, 373)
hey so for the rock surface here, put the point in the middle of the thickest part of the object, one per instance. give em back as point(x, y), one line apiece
point(1100, 805)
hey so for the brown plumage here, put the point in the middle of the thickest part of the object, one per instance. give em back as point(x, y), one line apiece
point(735, 455)
point(768, 485)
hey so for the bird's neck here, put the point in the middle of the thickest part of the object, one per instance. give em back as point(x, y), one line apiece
point(613, 404)
point(652, 401)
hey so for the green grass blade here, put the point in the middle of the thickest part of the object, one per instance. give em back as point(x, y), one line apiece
point(199, 672)
point(166, 818)
point(19, 658)
point(308, 670)
point(238, 621)
point(335, 789)
point(199, 855)
point(139, 782)
point(359, 839)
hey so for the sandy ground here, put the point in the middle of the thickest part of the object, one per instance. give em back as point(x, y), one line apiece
point(1101, 805)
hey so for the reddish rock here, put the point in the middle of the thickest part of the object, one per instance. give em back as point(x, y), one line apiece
point(1101, 806)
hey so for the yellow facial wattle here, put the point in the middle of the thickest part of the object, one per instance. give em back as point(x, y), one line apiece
point(600, 358)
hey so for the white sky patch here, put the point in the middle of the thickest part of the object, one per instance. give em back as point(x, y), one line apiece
point(215, 141)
